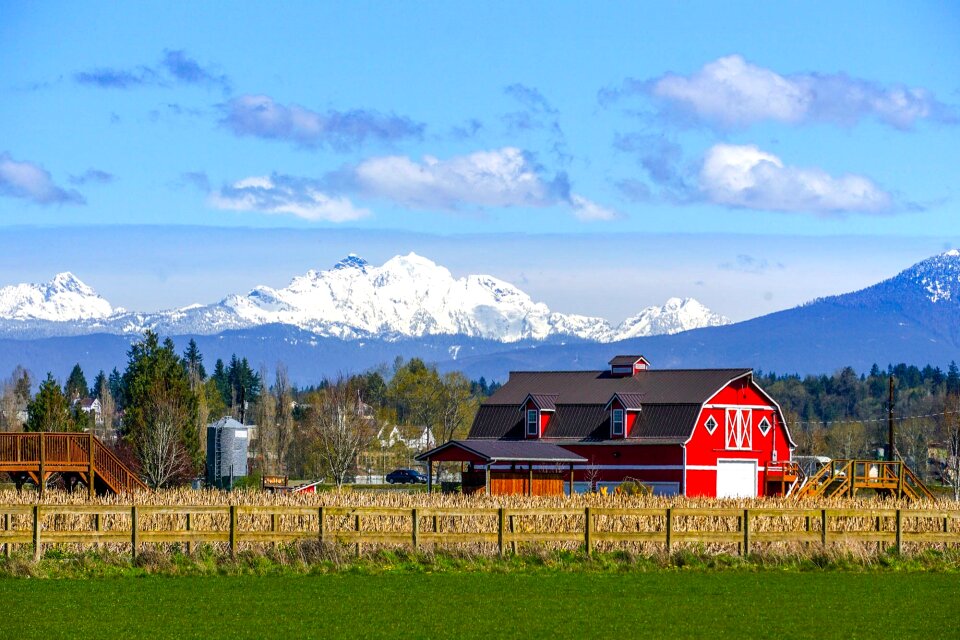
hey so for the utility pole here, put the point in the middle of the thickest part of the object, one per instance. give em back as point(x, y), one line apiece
point(890, 424)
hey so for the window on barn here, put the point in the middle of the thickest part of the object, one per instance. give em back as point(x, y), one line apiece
point(533, 426)
point(711, 425)
point(739, 431)
point(764, 426)
point(617, 422)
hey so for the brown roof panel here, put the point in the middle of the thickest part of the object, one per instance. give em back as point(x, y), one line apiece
point(624, 361)
point(511, 451)
point(498, 421)
point(656, 386)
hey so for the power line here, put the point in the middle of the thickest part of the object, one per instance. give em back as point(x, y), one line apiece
point(870, 420)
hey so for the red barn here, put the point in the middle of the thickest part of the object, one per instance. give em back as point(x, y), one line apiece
point(696, 432)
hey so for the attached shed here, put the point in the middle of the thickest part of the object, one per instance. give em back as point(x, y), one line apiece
point(502, 467)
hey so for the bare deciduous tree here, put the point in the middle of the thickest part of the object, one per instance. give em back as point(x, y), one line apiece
point(339, 428)
point(163, 458)
point(951, 433)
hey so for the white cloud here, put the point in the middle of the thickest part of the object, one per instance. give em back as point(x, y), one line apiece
point(499, 178)
point(32, 182)
point(744, 176)
point(589, 211)
point(285, 195)
point(732, 92)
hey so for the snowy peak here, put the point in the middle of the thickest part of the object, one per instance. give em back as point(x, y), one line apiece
point(352, 261)
point(938, 277)
point(678, 314)
point(64, 298)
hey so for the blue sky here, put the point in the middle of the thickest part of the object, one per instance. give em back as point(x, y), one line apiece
point(536, 141)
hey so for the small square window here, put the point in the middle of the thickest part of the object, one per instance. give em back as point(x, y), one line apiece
point(711, 425)
point(764, 426)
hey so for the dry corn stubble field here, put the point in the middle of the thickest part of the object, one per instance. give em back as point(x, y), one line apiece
point(307, 523)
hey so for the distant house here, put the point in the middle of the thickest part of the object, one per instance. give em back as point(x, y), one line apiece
point(693, 432)
point(414, 438)
point(91, 406)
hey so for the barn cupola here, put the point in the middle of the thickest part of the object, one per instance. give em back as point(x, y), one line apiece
point(624, 409)
point(627, 366)
point(538, 409)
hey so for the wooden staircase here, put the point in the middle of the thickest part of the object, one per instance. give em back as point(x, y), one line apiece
point(34, 457)
point(848, 477)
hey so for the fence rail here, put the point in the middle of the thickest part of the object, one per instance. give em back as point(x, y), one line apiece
point(41, 525)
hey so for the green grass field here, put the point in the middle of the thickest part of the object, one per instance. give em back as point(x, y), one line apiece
point(661, 604)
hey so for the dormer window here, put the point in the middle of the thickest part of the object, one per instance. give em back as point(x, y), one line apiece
point(533, 422)
point(764, 426)
point(616, 422)
point(710, 425)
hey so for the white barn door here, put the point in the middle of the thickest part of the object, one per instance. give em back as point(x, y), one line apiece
point(736, 478)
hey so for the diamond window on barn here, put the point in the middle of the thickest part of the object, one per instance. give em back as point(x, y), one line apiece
point(711, 425)
point(764, 426)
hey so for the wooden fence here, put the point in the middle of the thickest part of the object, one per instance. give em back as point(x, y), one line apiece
point(501, 529)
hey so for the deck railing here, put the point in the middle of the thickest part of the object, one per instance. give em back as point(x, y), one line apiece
point(500, 530)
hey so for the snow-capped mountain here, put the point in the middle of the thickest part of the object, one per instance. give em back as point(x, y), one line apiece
point(407, 296)
point(63, 299)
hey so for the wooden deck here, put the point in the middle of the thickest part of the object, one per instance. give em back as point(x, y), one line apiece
point(849, 477)
point(34, 457)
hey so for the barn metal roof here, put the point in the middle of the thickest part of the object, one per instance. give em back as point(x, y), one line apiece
point(509, 451)
point(668, 400)
point(544, 401)
point(670, 386)
point(625, 361)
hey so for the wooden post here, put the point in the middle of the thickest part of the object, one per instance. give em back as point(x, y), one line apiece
point(273, 527)
point(6, 527)
point(133, 532)
point(501, 521)
point(36, 530)
point(357, 526)
point(530, 486)
point(588, 531)
point(669, 541)
point(745, 525)
point(513, 529)
point(189, 529)
point(823, 527)
point(416, 529)
point(429, 475)
point(571, 480)
point(322, 532)
point(233, 531)
point(43, 466)
point(809, 527)
point(91, 473)
point(486, 486)
point(899, 544)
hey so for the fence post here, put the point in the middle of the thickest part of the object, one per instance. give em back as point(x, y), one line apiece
point(416, 528)
point(6, 527)
point(36, 531)
point(322, 532)
point(746, 532)
point(669, 530)
point(823, 527)
point(501, 521)
point(513, 541)
point(588, 531)
point(233, 531)
point(189, 529)
point(899, 531)
point(133, 532)
point(357, 525)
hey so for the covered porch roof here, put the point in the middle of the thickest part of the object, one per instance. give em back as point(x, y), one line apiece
point(489, 451)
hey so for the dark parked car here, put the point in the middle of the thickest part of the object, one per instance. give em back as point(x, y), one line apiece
point(406, 476)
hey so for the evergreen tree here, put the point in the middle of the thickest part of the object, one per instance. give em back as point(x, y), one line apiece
point(953, 378)
point(115, 382)
point(160, 411)
point(193, 361)
point(50, 409)
point(99, 386)
point(76, 388)
point(219, 378)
